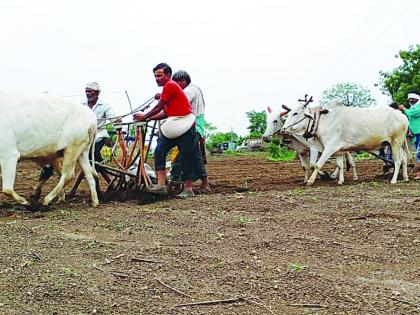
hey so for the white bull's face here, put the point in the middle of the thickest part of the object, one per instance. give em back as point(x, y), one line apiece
point(274, 124)
point(297, 120)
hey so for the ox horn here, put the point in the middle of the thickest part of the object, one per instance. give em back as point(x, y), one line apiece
point(269, 109)
point(286, 107)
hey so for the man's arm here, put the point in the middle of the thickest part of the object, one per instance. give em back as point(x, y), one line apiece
point(412, 112)
point(152, 113)
point(159, 116)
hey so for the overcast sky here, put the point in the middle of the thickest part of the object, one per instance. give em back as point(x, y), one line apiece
point(244, 54)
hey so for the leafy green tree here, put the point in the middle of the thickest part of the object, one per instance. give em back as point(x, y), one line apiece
point(405, 77)
point(209, 129)
point(350, 94)
point(221, 137)
point(257, 123)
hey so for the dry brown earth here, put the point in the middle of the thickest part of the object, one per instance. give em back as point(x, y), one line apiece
point(260, 238)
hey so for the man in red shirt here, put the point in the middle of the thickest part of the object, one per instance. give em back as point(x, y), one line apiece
point(178, 130)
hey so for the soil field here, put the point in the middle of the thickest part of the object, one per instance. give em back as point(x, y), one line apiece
point(259, 243)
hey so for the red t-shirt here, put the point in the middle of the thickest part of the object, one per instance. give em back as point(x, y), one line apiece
point(177, 101)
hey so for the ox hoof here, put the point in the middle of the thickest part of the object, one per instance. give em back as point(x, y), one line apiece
point(309, 183)
point(71, 194)
point(340, 183)
point(35, 196)
point(32, 205)
point(324, 176)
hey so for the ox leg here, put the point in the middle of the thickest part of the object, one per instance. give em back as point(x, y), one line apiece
point(305, 165)
point(397, 154)
point(340, 165)
point(326, 154)
point(404, 161)
point(46, 173)
point(67, 173)
point(90, 175)
point(336, 171)
point(58, 169)
point(8, 170)
point(350, 160)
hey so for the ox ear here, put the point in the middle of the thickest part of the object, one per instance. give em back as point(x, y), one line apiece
point(269, 109)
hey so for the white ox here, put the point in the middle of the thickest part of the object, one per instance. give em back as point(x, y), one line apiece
point(41, 129)
point(342, 128)
point(307, 149)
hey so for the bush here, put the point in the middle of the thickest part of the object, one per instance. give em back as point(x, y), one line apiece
point(363, 155)
point(277, 153)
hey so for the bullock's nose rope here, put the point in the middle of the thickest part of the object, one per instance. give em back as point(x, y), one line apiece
point(304, 117)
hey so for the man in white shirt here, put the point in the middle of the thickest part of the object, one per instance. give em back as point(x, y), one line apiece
point(196, 99)
point(104, 113)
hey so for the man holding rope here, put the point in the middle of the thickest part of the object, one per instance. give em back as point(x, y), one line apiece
point(178, 130)
point(103, 112)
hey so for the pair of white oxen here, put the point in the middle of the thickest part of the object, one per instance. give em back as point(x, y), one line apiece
point(44, 129)
point(336, 129)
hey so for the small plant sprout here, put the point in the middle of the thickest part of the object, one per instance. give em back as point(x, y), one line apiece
point(70, 271)
point(119, 226)
point(243, 220)
point(295, 267)
point(295, 192)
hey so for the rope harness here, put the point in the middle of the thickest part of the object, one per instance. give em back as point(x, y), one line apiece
point(313, 122)
point(140, 108)
point(311, 129)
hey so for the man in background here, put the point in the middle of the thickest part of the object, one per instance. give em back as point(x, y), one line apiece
point(196, 99)
point(413, 115)
point(104, 114)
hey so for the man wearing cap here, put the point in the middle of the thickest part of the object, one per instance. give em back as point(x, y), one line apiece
point(104, 113)
point(178, 129)
point(413, 114)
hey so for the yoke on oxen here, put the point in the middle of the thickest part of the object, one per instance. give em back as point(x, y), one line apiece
point(307, 147)
point(343, 128)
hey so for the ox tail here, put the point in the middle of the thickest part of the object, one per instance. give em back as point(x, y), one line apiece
point(406, 148)
point(92, 136)
point(348, 162)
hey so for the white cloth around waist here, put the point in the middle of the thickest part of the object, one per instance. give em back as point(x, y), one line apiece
point(176, 126)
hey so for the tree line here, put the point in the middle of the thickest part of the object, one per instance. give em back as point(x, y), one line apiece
point(395, 83)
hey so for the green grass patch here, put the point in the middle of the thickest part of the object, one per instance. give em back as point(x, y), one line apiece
point(363, 156)
point(277, 153)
